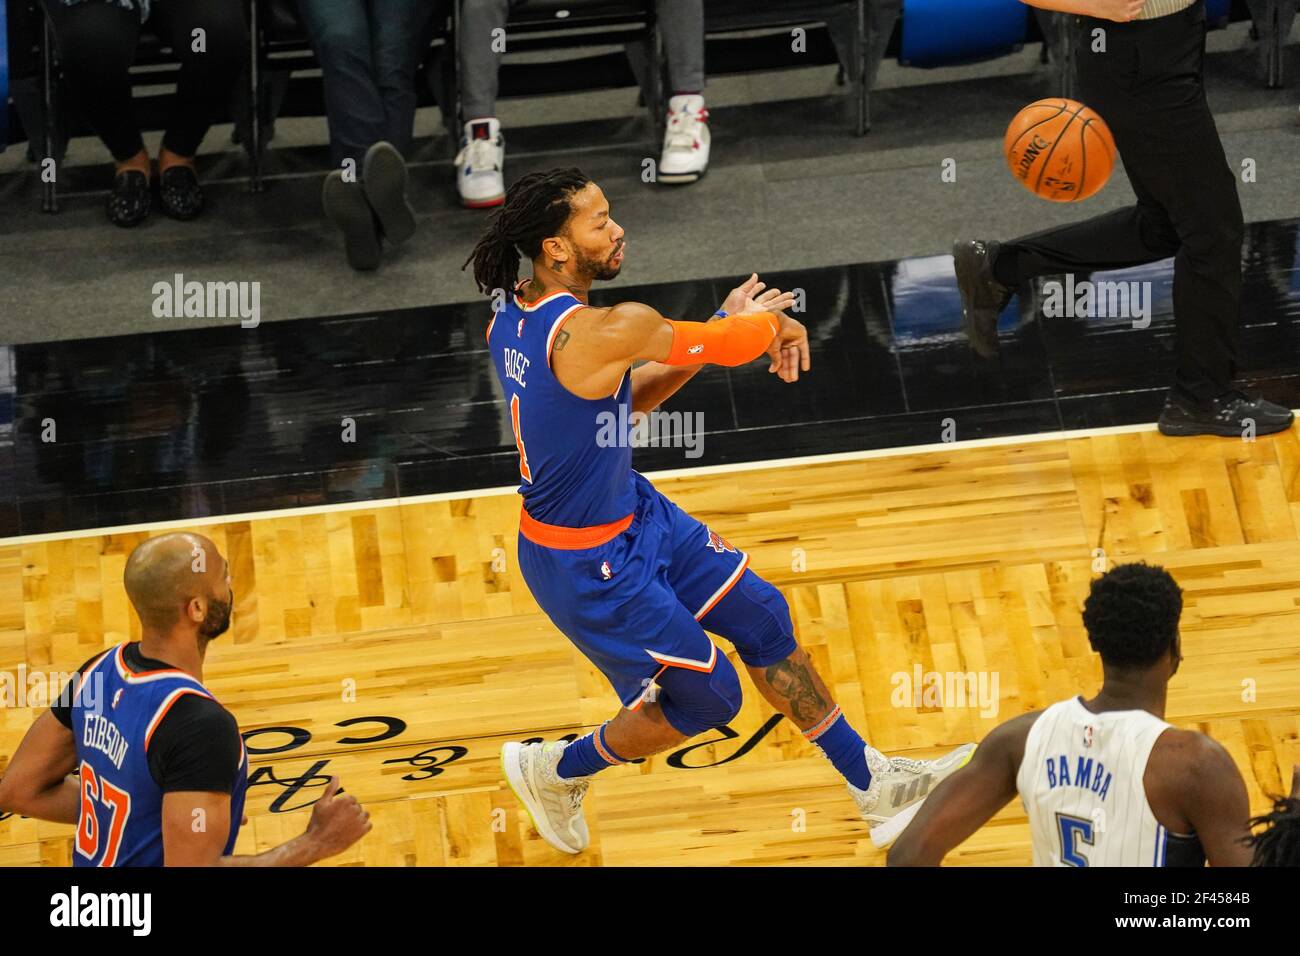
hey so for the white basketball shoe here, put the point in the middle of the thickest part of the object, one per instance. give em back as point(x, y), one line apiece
point(686, 140)
point(480, 179)
point(554, 803)
point(899, 785)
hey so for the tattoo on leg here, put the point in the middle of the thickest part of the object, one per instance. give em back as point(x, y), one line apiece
point(793, 680)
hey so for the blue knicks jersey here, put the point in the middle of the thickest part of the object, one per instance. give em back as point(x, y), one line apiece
point(575, 454)
point(114, 715)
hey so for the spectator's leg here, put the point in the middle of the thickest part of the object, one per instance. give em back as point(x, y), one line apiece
point(685, 154)
point(480, 57)
point(480, 164)
point(97, 44)
point(340, 35)
point(683, 26)
point(397, 29)
point(210, 38)
point(681, 22)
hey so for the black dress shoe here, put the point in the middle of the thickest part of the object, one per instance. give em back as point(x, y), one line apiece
point(345, 205)
point(129, 200)
point(1230, 415)
point(982, 296)
point(383, 177)
point(179, 192)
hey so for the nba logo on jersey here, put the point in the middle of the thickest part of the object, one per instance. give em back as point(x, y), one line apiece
point(116, 698)
point(1088, 731)
point(605, 572)
point(519, 329)
point(718, 543)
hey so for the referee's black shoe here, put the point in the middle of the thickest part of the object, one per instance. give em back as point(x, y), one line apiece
point(982, 296)
point(1232, 415)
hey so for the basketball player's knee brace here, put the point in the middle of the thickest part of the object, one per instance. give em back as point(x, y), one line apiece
point(696, 701)
point(754, 616)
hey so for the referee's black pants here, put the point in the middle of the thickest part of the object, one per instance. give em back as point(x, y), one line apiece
point(1148, 87)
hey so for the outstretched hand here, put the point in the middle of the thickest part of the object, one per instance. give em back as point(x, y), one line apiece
point(788, 354)
point(789, 350)
point(753, 295)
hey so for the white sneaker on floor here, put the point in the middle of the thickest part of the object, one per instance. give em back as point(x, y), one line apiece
point(899, 785)
point(686, 141)
point(553, 803)
point(479, 164)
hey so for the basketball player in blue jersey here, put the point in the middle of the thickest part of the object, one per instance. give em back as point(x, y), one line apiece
point(637, 584)
point(1105, 781)
point(161, 769)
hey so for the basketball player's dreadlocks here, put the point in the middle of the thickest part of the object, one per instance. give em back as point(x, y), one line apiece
point(536, 207)
point(1278, 844)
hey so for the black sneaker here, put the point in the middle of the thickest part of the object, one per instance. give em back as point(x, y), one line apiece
point(1229, 415)
point(383, 177)
point(982, 296)
point(345, 205)
point(179, 192)
point(129, 199)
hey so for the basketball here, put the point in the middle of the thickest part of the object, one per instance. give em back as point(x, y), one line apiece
point(1060, 150)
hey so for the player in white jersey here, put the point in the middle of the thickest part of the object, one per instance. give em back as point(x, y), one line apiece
point(1106, 782)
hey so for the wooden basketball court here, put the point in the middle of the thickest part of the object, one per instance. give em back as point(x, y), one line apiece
point(397, 646)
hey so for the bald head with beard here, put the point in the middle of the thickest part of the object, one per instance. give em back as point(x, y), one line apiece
point(180, 580)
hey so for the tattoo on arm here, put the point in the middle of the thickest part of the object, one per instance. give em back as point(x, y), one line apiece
point(561, 338)
point(793, 681)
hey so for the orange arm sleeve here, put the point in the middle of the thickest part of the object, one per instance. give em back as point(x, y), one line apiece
point(735, 340)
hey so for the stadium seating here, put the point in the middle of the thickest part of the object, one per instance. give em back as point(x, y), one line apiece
point(921, 33)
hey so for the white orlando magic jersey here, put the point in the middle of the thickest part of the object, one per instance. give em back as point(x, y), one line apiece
point(1081, 783)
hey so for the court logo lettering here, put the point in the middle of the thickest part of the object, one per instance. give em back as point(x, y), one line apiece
point(297, 778)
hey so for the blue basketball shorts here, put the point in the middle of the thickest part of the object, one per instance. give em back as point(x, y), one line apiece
point(642, 601)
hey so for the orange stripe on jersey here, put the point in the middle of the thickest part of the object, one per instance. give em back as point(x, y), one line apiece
point(530, 306)
point(570, 539)
point(491, 322)
point(166, 705)
point(130, 675)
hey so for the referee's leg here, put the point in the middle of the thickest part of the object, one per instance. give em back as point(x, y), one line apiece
point(1148, 86)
